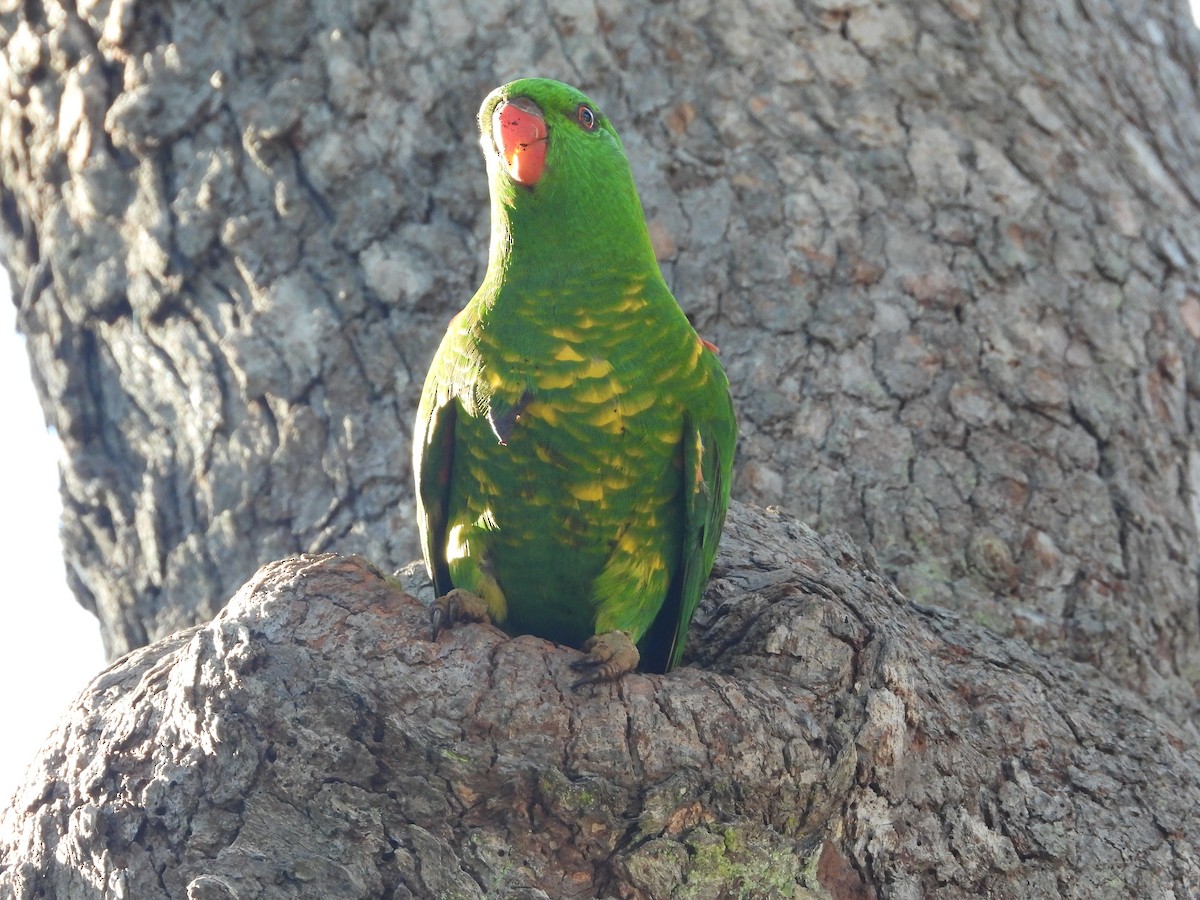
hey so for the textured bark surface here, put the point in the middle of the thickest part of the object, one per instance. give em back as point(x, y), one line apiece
point(949, 251)
point(832, 740)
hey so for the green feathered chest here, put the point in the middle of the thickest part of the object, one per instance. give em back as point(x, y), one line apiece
point(569, 441)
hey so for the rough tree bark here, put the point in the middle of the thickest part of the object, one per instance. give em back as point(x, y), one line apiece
point(836, 740)
point(949, 251)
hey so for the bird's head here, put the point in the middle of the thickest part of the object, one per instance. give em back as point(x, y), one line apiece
point(556, 164)
point(541, 134)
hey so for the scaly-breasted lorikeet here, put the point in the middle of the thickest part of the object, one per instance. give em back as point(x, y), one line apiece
point(575, 436)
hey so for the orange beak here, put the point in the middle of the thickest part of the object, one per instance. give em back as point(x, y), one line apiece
point(520, 135)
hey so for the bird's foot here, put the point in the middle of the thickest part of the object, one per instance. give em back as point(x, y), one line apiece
point(609, 656)
point(456, 606)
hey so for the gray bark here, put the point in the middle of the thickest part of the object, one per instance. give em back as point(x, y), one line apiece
point(832, 740)
point(950, 253)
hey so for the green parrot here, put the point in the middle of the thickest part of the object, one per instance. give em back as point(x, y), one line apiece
point(575, 436)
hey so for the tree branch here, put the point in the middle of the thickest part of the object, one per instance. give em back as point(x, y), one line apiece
point(828, 736)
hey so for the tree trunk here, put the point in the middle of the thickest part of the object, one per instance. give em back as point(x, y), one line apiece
point(950, 254)
point(835, 740)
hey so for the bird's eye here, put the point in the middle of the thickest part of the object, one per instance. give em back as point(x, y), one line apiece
point(587, 118)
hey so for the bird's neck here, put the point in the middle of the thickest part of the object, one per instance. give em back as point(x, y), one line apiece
point(533, 249)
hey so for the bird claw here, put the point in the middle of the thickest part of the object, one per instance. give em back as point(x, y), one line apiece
point(456, 606)
point(609, 656)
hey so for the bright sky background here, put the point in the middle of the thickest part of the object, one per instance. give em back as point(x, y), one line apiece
point(49, 647)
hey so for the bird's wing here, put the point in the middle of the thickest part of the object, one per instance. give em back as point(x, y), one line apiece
point(433, 462)
point(708, 445)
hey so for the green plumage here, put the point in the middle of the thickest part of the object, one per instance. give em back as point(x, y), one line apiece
point(574, 440)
